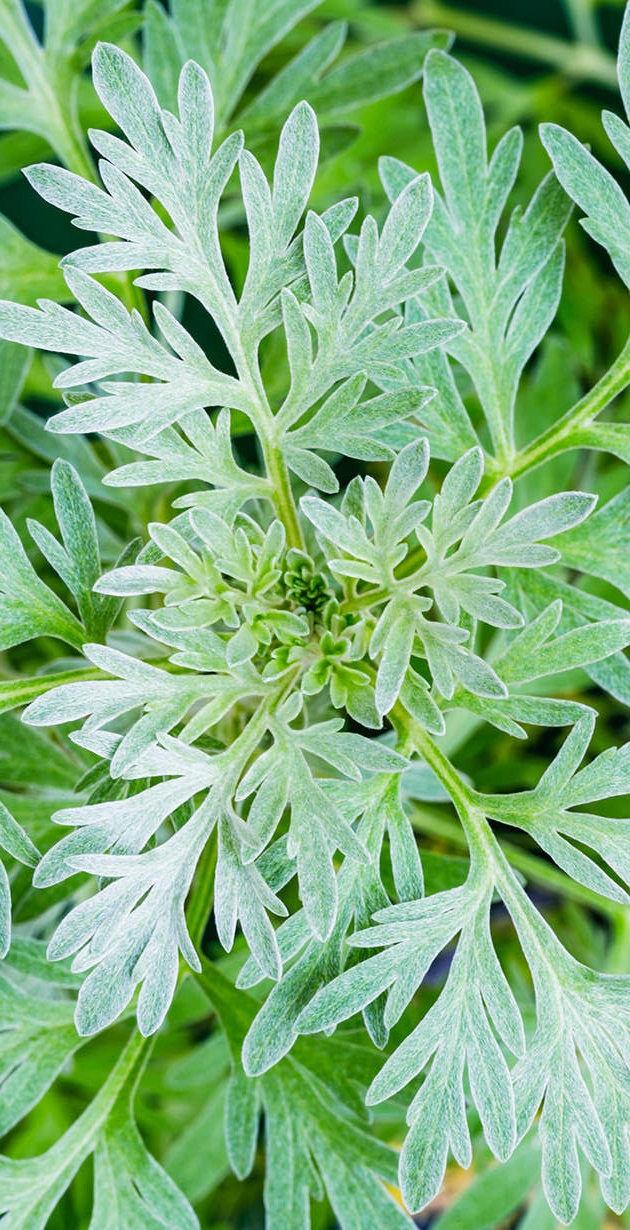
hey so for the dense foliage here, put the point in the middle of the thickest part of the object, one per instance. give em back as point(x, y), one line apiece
point(317, 523)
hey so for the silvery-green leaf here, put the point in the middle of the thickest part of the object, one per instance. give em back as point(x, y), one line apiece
point(595, 192)
point(30, 608)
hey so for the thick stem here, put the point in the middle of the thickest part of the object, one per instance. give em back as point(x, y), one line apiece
point(267, 430)
point(539, 941)
point(534, 869)
point(460, 793)
point(202, 895)
point(581, 14)
point(78, 1141)
point(131, 1058)
point(561, 435)
point(234, 1008)
point(52, 88)
point(473, 821)
point(283, 498)
point(65, 136)
point(499, 416)
point(579, 61)
point(558, 438)
point(203, 892)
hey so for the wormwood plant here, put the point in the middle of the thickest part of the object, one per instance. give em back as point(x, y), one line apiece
point(254, 695)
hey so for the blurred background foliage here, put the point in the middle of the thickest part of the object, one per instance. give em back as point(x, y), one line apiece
point(533, 60)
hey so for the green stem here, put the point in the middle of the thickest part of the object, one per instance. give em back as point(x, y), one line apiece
point(581, 14)
point(472, 819)
point(16, 692)
point(203, 892)
point(561, 436)
point(19, 37)
point(539, 941)
point(52, 90)
point(540, 944)
point(580, 61)
point(129, 1060)
point(235, 1008)
point(619, 954)
point(53, 86)
point(202, 895)
point(79, 1140)
point(268, 431)
point(499, 416)
point(283, 497)
point(214, 983)
point(534, 869)
point(66, 135)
